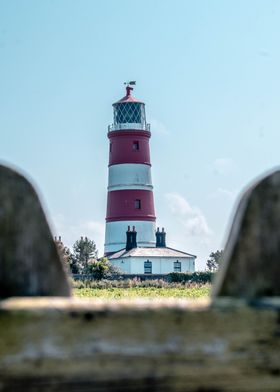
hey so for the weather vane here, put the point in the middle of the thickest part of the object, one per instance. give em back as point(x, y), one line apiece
point(128, 86)
point(131, 83)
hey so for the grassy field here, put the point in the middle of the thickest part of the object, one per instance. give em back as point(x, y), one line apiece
point(197, 291)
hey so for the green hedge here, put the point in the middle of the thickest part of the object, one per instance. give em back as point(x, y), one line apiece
point(195, 277)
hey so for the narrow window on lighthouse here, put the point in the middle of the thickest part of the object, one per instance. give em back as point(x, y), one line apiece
point(111, 146)
point(135, 146)
point(137, 204)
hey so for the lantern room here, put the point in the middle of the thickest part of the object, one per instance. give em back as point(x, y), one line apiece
point(129, 113)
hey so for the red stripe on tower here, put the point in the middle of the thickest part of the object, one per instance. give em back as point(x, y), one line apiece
point(132, 204)
point(129, 147)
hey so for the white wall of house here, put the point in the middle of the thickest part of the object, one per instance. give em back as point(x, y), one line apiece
point(160, 265)
point(123, 264)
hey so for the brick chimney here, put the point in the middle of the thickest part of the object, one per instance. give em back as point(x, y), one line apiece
point(160, 238)
point(131, 238)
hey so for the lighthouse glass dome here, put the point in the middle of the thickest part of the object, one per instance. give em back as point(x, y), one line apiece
point(129, 112)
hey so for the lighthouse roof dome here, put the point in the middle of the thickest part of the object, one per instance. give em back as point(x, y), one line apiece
point(128, 97)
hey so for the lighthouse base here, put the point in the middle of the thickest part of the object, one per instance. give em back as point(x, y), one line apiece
point(115, 236)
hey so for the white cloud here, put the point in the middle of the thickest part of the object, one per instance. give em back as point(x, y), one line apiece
point(158, 127)
point(71, 231)
point(223, 166)
point(224, 193)
point(178, 204)
point(196, 225)
point(190, 217)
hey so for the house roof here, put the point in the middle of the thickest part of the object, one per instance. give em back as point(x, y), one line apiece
point(150, 252)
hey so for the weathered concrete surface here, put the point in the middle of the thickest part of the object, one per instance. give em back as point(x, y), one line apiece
point(65, 344)
point(251, 266)
point(29, 261)
point(78, 345)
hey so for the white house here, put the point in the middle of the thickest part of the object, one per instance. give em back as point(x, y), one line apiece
point(151, 260)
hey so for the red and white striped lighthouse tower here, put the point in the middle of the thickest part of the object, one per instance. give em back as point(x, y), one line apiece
point(130, 199)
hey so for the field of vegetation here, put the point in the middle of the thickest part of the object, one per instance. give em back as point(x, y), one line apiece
point(136, 289)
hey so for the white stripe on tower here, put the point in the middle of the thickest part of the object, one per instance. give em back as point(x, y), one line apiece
point(116, 234)
point(130, 176)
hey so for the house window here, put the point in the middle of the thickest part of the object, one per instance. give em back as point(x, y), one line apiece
point(147, 267)
point(177, 266)
point(135, 146)
point(137, 204)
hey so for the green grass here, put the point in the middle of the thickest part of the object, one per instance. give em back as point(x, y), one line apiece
point(143, 292)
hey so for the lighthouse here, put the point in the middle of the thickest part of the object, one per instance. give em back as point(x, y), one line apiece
point(132, 241)
point(130, 200)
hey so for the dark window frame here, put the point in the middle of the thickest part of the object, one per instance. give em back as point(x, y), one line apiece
point(177, 266)
point(148, 267)
point(135, 145)
point(137, 204)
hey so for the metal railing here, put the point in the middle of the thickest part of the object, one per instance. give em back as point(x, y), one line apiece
point(128, 126)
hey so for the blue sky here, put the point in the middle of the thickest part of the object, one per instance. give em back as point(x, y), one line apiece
point(208, 72)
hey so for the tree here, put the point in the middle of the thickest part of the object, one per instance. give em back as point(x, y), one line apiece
point(102, 269)
point(84, 249)
point(214, 261)
point(73, 264)
point(98, 268)
point(64, 253)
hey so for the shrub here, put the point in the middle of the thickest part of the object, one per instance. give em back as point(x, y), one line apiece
point(138, 283)
point(102, 269)
point(195, 277)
